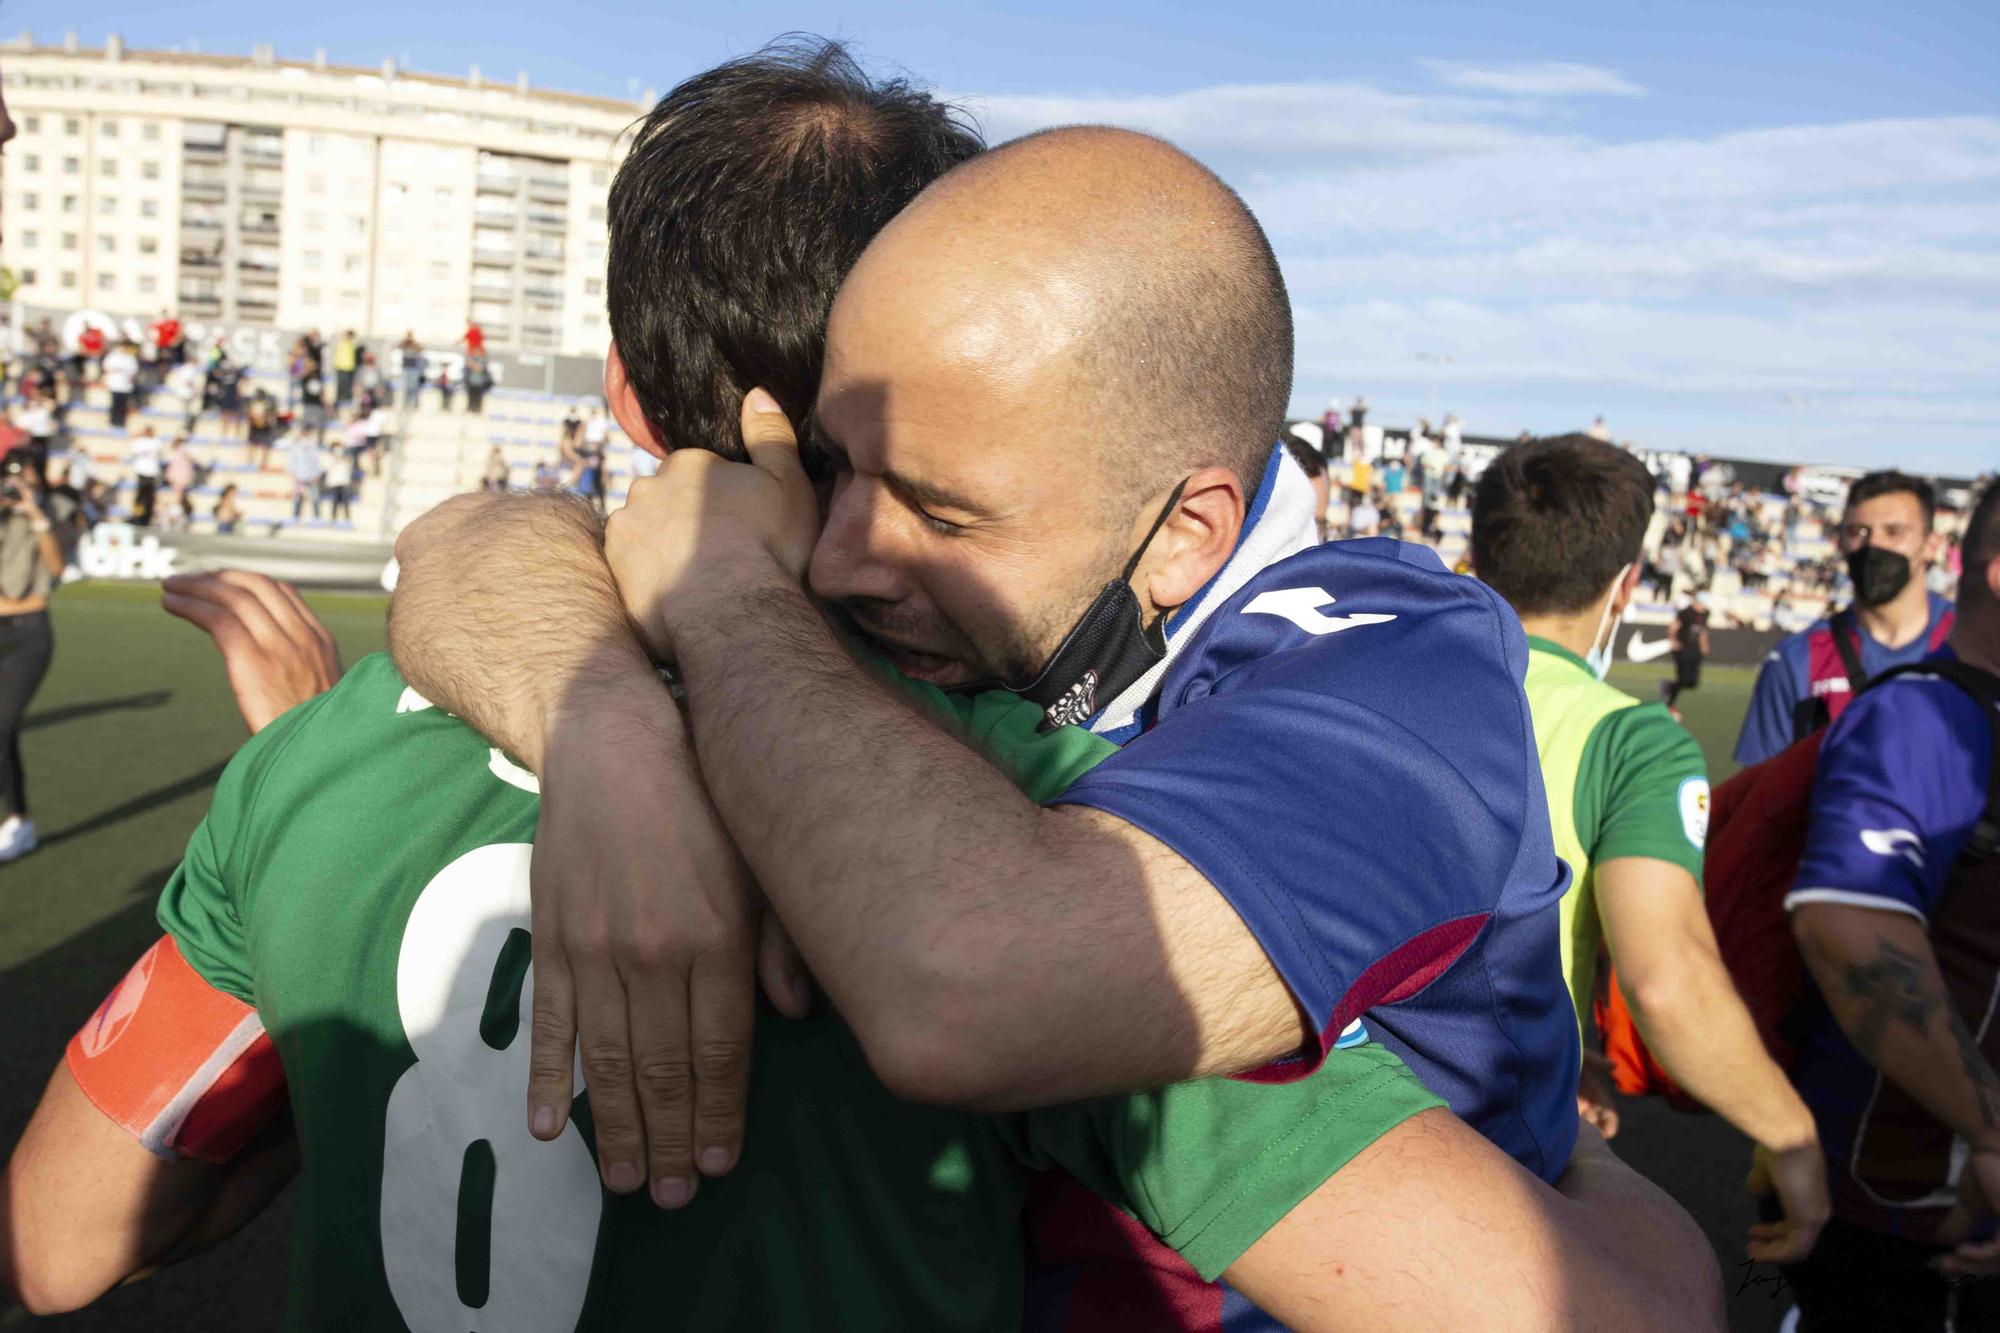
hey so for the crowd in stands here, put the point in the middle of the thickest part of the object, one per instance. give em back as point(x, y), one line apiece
point(1766, 557)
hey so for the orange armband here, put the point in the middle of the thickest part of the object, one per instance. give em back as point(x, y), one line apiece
point(186, 1068)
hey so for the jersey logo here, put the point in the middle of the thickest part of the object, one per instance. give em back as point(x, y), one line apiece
point(412, 702)
point(1301, 607)
point(1078, 702)
point(1894, 842)
point(1642, 649)
point(1694, 811)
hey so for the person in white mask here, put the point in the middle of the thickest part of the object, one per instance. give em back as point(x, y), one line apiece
point(1557, 527)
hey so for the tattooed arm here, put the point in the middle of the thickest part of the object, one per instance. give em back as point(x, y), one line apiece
point(1881, 981)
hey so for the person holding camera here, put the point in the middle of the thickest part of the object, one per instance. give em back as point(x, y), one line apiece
point(35, 526)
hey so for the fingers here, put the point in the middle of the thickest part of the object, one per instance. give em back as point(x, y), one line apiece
point(781, 970)
point(1982, 1260)
point(321, 636)
point(248, 609)
point(1779, 1243)
point(552, 1034)
point(722, 997)
point(656, 1006)
point(773, 446)
point(604, 1043)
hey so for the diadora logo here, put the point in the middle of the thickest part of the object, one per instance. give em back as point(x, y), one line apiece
point(1302, 606)
point(1830, 685)
point(1894, 842)
point(1079, 701)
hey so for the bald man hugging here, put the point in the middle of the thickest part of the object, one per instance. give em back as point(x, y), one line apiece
point(1040, 470)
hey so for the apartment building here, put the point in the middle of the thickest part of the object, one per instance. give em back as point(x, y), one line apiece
point(306, 195)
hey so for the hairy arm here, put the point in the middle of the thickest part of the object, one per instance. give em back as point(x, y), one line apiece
point(1432, 1227)
point(86, 1207)
point(988, 951)
point(1881, 981)
point(506, 615)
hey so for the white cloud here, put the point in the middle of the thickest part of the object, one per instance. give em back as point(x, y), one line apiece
point(1682, 284)
point(1546, 78)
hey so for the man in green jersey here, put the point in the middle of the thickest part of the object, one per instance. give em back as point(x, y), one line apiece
point(1557, 527)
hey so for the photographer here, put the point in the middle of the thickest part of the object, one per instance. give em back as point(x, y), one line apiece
point(36, 527)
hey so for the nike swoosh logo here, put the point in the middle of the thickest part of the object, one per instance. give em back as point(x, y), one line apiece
point(1645, 650)
point(1301, 607)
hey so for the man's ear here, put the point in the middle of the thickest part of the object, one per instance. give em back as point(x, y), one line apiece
point(1195, 541)
point(1621, 596)
point(625, 408)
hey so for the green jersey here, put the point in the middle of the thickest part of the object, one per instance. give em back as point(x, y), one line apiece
point(1623, 778)
point(362, 880)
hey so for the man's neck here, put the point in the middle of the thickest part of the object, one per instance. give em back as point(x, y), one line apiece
point(1900, 621)
point(1574, 632)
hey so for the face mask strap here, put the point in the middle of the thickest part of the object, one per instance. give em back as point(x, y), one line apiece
point(1166, 512)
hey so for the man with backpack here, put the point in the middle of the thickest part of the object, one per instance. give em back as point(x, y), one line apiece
point(1557, 529)
point(1896, 910)
point(1887, 542)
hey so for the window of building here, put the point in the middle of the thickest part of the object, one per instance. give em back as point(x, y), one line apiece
point(597, 212)
point(150, 170)
point(31, 161)
point(107, 205)
point(315, 222)
point(30, 238)
point(311, 295)
point(312, 260)
point(72, 127)
point(31, 125)
point(105, 282)
point(440, 268)
point(149, 245)
point(357, 224)
point(107, 244)
point(107, 167)
point(599, 176)
point(31, 200)
point(67, 278)
point(593, 286)
point(150, 131)
point(147, 284)
point(69, 240)
point(70, 204)
point(28, 274)
point(149, 208)
point(108, 128)
point(316, 183)
point(72, 166)
point(445, 195)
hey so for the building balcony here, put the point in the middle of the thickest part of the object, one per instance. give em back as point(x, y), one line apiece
point(548, 189)
point(204, 187)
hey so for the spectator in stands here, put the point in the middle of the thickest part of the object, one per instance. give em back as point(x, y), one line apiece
point(346, 360)
point(1330, 431)
point(184, 383)
point(312, 401)
point(1894, 910)
point(412, 370)
point(1887, 537)
point(142, 459)
point(591, 453)
point(1557, 527)
point(260, 426)
point(1365, 519)
point(180, 477)
point(89, 354)
point(38, 418)
point(37, 532)
point(228, 511)
point(474, 340)
point(341, 466)
point(1454, 434)
point(572, 431)
point(378, 435)
point(478, 379)
point(304, 462)
point(166, 333)
point(369, 380)
point(1395, 472)
point(1599, 431)
point(548, 476)
point(445, 386)
point(225, 385)
point(495, 476)
point(121, 380)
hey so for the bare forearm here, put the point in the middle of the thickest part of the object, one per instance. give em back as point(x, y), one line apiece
point(505, 614)
point(1882, 984)
point(949, 917)
point(1695, 1023)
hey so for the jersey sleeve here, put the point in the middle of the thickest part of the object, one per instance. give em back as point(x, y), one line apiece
point(1210, 1166)
point(1007, 730)
point(1901, 782)
point(1655, 789)
point(1767, 727)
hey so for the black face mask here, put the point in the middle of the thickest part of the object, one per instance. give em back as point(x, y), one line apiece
point(1878, 575)
point(1108, 648)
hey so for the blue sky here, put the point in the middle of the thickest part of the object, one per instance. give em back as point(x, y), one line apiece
point(1762, 229)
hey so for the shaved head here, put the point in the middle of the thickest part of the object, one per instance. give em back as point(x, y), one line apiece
point(1056, 345)
point(1132, 271)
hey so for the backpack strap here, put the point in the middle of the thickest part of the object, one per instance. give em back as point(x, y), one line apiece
point(1984, 687)
point(1847, 642)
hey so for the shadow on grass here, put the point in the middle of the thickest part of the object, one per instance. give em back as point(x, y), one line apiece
point(92, 707)
point(140, 804)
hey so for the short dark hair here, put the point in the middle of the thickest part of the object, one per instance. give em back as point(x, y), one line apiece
point(1892, 482)
point(1305, 455)
point(1982, 543)
point(749, 192)
point(1553, 521)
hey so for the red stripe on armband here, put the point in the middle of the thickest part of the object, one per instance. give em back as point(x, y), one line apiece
point(186, 1068)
